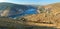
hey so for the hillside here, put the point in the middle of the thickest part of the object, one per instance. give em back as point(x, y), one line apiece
point(8, 23)
point(49, 14)
point(16, 10)
point(29, 17)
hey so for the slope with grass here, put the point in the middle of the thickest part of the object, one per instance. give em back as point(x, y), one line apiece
point(49, 14)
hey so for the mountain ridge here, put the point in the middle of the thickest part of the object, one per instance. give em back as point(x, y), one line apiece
point(16, 10)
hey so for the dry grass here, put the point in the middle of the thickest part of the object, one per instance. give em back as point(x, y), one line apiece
point(41, 20)
point(50, 15)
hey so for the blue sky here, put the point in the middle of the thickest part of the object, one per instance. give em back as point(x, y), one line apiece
point(24, 1)
point(45, 2)
point(37, 2)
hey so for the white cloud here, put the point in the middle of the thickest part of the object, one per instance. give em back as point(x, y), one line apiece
point(2, 0)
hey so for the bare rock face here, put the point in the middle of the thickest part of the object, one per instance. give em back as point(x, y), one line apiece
point(5, 12)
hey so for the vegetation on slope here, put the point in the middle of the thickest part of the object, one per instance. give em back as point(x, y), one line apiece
point(49, 14)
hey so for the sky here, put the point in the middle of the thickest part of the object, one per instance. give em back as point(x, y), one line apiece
point(37, 2)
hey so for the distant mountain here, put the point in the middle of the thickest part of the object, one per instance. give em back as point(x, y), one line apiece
point(16, 10)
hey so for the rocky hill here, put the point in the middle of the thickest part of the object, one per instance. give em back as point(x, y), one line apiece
point(16, 10)
point(49, 15)
point(29, 17)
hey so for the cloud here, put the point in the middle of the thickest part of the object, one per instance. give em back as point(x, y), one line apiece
point(2, 0)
